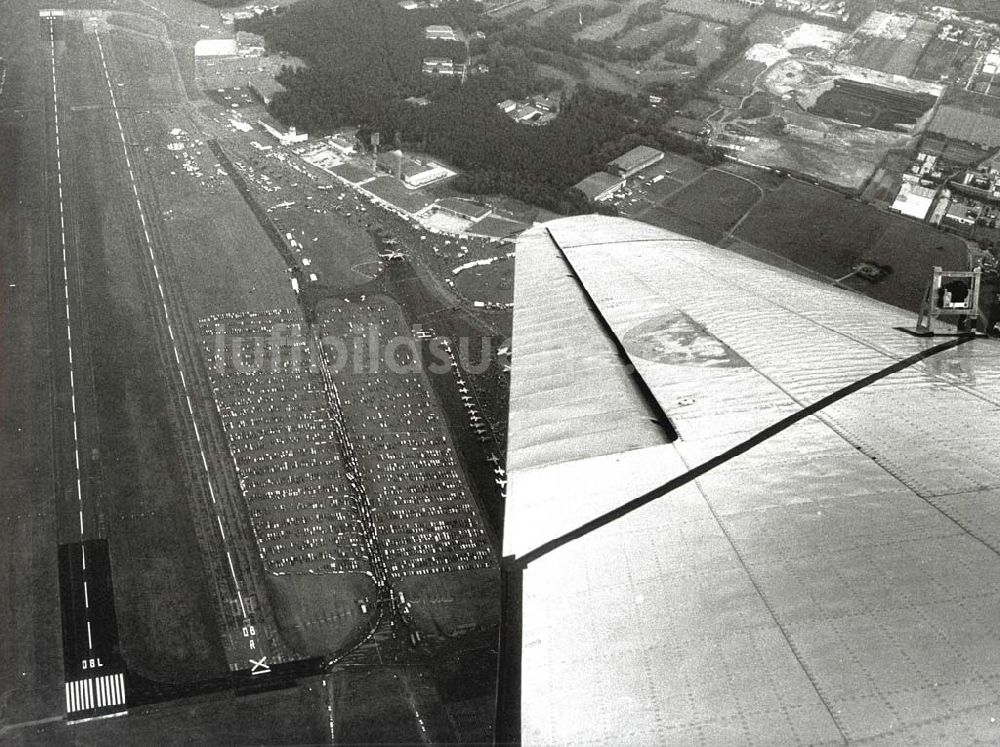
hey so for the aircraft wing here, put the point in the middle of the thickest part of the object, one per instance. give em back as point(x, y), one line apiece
point(837, 580)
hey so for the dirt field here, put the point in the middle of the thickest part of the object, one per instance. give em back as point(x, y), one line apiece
point(827, 233)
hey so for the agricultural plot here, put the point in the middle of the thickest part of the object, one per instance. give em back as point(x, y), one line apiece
point(970, 127)
point(828, 234)
point(896, 56)
point(940, 59)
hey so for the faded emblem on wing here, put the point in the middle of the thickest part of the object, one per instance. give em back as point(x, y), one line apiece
point(678, 340)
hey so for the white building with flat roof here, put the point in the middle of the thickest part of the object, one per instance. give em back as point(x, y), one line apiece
point(914, 200)
point(215, 48)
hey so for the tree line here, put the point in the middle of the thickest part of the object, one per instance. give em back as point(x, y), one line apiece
point(364, 59)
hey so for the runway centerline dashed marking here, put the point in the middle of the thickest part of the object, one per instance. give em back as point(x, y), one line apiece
point(69, 316)
point(165, 308)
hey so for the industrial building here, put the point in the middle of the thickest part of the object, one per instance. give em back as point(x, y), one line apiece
point(634, 161)
point(914, 200)
point(600, 186)
point(411, 172)
point(440, 32)
point(249, 45)
point(443, 66)
point(264, 87)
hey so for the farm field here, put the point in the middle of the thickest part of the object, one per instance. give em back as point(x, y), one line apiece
point(826, 233)
point(894, 56)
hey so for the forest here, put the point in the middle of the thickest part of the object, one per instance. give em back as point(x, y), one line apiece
point(364, 59)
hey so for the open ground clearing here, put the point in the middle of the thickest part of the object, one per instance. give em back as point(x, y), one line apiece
point(827, 233)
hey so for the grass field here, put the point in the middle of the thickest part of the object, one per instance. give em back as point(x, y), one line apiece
point(320, 614)
point(379, 705)
point(827, 233)
point(716, 201)
point(493, 282)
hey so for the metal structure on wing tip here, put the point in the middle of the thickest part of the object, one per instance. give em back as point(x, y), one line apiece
point(951, 295)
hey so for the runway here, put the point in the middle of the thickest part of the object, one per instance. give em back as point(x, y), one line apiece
point(95, 677)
